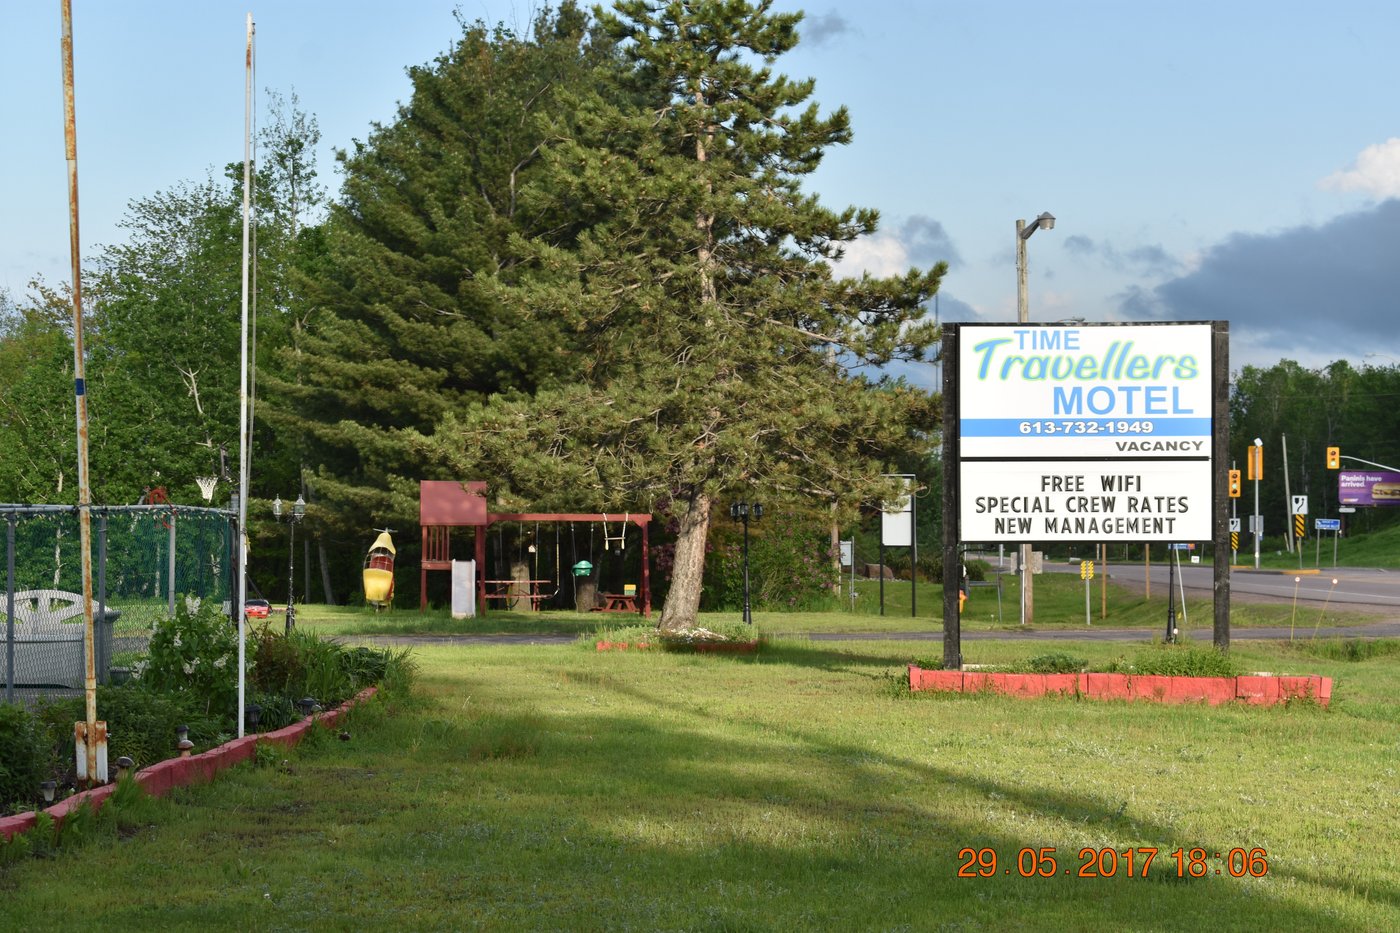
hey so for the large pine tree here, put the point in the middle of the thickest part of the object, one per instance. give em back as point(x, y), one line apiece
point(719, 355)
point(405, 326)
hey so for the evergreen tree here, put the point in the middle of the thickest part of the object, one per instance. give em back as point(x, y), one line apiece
point(719, 355)
point(404, 330)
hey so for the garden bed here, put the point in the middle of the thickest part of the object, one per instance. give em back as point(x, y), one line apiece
point(1254, 689)
point(160, 778)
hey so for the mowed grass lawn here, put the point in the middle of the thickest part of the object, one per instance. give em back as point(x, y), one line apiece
point(1059, 600)
point(556, 787)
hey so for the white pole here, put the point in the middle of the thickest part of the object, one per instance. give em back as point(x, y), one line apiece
point(244, 454)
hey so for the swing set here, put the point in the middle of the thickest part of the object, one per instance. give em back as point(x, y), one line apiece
point(447, 504)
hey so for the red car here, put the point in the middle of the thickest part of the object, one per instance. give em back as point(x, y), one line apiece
point(256, 608)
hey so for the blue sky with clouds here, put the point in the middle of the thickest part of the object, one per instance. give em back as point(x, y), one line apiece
point(1205, 160)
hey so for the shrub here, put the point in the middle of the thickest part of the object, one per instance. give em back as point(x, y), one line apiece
point(931, 567)
point(790, 568)
point(22, 757)
point(1056, 663)
point(196, 654)
point(141, 723)
point(1179, 661)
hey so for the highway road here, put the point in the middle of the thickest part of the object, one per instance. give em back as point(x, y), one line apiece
point(1359, 588)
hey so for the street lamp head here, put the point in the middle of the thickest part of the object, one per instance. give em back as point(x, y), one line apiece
point(277, 507)
point(1046, 221)
point(298, 509)
point(757, 511)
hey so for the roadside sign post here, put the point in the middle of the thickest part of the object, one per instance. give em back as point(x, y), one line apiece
point(1086, 573)
point(1333, 525)
point(1256, 473)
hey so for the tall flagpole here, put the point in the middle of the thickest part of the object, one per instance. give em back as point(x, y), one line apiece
point(70, 141)
point(243, 441)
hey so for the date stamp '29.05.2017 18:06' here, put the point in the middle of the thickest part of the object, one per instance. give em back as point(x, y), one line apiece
point(1114, 863)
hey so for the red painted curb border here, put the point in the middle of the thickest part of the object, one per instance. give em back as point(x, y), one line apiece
point(163, 776)
point(1253, 689)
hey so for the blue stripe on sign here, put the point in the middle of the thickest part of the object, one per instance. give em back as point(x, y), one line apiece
point(78, 387)
point(1091, 427)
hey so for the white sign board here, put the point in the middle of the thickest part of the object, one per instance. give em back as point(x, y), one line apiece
point(848, 552)
point(1075, 433)
point(1300, 505)
point(897, 521)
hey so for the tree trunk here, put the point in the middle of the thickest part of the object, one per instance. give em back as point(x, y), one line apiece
point(325, 571)
point(688, 571)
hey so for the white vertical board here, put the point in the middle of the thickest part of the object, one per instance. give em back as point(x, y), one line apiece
point(897, 520)
point(464, 589)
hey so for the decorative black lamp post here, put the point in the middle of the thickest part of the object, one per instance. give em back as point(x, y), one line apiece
point(742, 512)
point(293, 519)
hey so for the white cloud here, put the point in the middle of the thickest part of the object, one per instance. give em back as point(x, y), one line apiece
point(1377, 171)
point(882, 254)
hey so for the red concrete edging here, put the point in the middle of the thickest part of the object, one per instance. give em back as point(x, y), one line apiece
point(622, 645)
point(163, 776)
point(1253, 689)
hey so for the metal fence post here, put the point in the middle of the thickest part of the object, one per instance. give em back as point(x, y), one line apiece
point(170, 572)
point(10, 609)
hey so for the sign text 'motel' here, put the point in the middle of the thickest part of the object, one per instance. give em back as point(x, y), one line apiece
point(1085, 432)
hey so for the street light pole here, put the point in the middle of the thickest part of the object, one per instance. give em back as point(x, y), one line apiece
point(741, 511)
point(294, 519)
point(1023, 233)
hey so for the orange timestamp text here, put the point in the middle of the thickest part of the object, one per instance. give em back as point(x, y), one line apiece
point(1109, 862)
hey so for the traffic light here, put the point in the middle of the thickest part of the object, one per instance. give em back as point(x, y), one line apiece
point(1334, 458)
point(1234, 484)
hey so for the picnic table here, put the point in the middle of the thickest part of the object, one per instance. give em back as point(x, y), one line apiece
point(617, 602)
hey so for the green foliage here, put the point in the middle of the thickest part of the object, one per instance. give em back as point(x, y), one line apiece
point(716, 350)
point(141, 722)
point(22, 757)
point(1348, 649)
point(195, 653)
point(1178, 661)
point(301, 664)
point(406, 328)
point(1333, 405)
point(1056, 663)
point(790, 569)
point(931, 567)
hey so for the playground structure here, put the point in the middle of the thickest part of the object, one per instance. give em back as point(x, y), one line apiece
point(447, 504)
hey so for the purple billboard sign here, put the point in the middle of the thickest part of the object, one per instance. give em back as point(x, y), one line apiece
point(1368, 487)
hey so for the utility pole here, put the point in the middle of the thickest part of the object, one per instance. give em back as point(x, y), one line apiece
point(1023, 233)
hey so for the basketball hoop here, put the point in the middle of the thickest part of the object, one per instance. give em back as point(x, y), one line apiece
point(206, 486)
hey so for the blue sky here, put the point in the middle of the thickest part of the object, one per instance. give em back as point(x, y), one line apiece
point(1205, 160)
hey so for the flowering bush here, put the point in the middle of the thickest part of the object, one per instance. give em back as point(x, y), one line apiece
point(790, 568)
point(194, 653)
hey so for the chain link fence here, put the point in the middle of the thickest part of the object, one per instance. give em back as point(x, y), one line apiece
point(144, 559)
